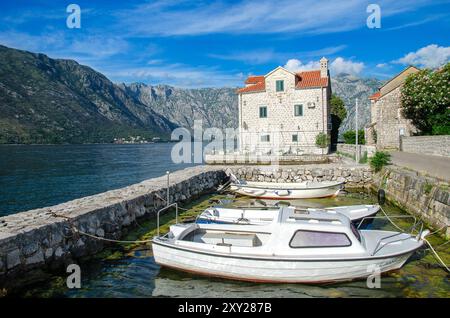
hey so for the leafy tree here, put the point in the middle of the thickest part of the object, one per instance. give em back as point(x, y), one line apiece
point(338, 114)
point(426, 100)
point(350, 137)
point(338, 107)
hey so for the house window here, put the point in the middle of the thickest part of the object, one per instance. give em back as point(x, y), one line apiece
point(298, 110)
point(295, 138)
point(279, 86)
point(265, 138)
point(263, 112)
point(303, 238)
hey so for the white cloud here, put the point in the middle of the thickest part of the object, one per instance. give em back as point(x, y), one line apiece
point(339, 65)
point(381, 65)
point(270, 55)
point(176, 74)
point(249, 57)
point(430, 56)
point(244, 17)
point(295, 65)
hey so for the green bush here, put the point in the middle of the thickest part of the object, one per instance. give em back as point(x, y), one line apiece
point(379, 160)
point(425, 100)
point(322, 140)
point(350, 137)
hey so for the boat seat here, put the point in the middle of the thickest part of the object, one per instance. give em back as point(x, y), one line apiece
point(228, 239)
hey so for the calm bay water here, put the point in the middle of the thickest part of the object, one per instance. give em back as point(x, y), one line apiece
point(39, 175)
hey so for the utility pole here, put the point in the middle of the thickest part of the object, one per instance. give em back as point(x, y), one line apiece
point(356, 131)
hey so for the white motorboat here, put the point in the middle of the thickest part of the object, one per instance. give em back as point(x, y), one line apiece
point(287, 190)
point(261, 216)
point(296, 247)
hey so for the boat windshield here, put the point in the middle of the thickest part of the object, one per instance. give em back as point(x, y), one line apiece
point(356, 232)
point(304, 238)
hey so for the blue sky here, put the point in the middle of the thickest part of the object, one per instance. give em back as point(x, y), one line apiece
point(219, 43)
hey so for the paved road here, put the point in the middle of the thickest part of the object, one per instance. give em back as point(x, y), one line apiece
point(434, 166)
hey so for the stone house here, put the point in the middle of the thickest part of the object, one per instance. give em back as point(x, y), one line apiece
point(282, 112)
point(387, 121)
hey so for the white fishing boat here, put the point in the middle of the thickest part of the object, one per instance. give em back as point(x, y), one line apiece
point(296, 247)
point(286, 190)
point(264, 215)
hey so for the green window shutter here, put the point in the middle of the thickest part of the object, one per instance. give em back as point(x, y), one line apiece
point(298, 110)
point(294, 138)
point(265, 138)
point(263, 112)
point(279, 86)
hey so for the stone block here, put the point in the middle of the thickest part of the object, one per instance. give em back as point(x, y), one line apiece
point(13, 259)
point(36, 258)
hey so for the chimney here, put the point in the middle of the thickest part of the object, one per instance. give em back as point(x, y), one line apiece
point(323, 67)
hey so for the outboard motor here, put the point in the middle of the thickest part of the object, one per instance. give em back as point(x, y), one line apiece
point(381, 197)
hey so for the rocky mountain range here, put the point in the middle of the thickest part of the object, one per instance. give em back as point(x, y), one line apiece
point(44, 100)
point(218, 107)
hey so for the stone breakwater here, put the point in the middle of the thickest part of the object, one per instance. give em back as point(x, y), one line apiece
point(354, 176)
point(425, 197)
point(45, 237)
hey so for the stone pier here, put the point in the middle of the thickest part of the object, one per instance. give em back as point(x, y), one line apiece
point(45, 237)
point(354, 176)
point(425, 197)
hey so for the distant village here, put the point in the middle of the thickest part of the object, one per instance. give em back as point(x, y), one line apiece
point(136, 140)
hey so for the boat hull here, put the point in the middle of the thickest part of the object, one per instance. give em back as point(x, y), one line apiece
point(286, 193)
point(279, 270)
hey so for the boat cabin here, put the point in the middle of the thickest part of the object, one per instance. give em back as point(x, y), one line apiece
point(292, 232)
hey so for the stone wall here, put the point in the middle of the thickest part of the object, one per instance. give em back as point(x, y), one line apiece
point(390, 121)
point(45, 237)
point(359, 176)
point(424, 197)
point(351, 150)
point(427, 145)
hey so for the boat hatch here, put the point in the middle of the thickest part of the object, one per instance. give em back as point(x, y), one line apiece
point(297, 218)
point(301, 211)
point(224, 238)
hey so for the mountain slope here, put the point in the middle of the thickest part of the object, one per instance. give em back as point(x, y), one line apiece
point(216, 107)
point(44, 100)
point(349, 87)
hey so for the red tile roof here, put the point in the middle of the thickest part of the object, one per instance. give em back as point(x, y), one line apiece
point(305, 79)
point(256, 86)
point(254, 79)
point(375, 96)
point(311, 79)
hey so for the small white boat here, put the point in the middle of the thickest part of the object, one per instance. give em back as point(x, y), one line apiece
point(261, 216)
point(286, 190)
point(296, 247)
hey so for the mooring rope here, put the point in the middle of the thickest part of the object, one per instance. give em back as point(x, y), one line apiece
point(425, 240)
point(437, 256)
point(110, 240)
point(392, 222)
point(432, 233)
